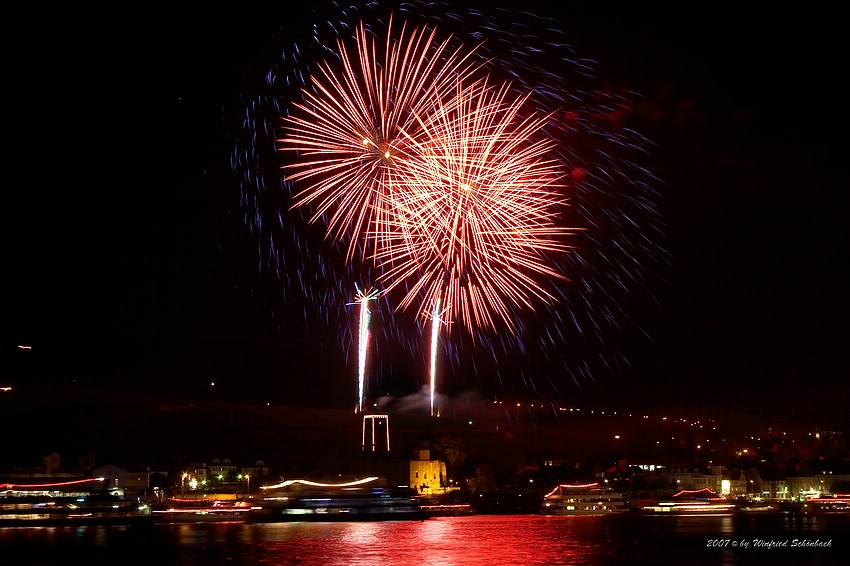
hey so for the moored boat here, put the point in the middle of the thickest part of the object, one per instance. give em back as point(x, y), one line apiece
point(827, 505)
point(583, 499)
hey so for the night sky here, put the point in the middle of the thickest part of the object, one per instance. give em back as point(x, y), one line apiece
point(129, 265)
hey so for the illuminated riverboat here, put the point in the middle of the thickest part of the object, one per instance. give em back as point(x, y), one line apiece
point(692, 502)
point(583, 499)
point(214, 507)
point(359, 500)
point(836, 504)
point(73, 502)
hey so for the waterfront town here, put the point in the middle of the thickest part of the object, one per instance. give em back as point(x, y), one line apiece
point(497, 457)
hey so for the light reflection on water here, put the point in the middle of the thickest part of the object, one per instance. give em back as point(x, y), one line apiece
point(483, 540)
point(446, 541)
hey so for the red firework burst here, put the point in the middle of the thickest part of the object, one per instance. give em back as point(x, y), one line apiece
point(475, 208)
point(345, 135)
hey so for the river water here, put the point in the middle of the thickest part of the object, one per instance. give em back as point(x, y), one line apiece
point(461, 541)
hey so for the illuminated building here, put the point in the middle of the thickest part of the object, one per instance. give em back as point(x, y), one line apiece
point(427, 475)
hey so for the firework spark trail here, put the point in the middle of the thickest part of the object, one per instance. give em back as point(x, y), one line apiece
point(362, 298)
point(436, 320)
point(476, 208)
point(345, 134)
point(362, 351)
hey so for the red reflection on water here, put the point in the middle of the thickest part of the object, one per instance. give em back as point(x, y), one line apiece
point(466, 541)
point(476, 540)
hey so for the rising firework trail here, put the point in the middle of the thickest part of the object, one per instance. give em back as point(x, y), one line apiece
point(436, 321)
point(362, 299)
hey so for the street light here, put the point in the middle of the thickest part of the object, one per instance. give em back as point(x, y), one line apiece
point(247, 479)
